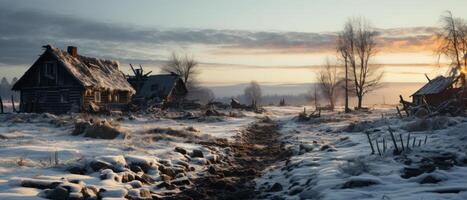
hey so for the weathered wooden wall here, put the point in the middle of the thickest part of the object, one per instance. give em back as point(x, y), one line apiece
point(51, 99)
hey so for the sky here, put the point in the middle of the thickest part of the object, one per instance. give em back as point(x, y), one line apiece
point(273, 42)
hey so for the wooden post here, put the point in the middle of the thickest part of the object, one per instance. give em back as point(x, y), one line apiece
point(426, 137)
point(413, 144)
point(393, 139)
point(377, 147)
point(402, 142)
point(384, 144)
point(408, 141)
point(1, 106)
point(419, 143)
point(371, 144)
point(13, 103)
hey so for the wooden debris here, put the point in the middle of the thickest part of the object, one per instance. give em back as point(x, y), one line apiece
point(399, 112)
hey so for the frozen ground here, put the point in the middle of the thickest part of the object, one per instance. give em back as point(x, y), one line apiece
point(40, 146)
point(330, 160)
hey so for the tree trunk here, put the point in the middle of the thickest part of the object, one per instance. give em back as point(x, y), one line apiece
point(360, 99)
point(347, 110)
point(331, 103)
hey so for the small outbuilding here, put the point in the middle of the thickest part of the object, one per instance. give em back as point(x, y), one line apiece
point(62, 81)
point(437, 90)
point(167, 89)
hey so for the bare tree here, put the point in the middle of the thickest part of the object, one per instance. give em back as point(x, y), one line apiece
point(453, 45)
point(328, 82)
point(344, 47)
point(357, 47)
point(453, 42)
point(252, 93)
point(185, 66)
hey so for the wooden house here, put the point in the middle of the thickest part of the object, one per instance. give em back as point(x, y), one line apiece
point(437, 90)
point(168, 89)
point(62, 81)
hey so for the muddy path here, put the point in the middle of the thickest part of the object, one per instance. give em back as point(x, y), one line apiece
point(252, 151)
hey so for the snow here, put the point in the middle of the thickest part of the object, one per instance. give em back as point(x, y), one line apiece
point(33, 143)
point(331, 160)
point(323, 174)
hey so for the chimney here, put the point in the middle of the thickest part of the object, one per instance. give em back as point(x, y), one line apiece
point(73, 51)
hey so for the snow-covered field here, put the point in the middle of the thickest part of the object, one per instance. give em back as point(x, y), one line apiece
point(40, 146)
point(331, 161)
point(331, 158)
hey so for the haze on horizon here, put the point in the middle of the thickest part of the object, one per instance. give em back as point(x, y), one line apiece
point(274, 42)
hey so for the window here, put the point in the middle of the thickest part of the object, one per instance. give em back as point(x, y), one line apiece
point(50, 70)
point(97, 96)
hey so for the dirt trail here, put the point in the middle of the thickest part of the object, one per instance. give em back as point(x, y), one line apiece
point(256, 148)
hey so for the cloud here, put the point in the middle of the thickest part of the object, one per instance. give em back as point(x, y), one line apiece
point(24, 31)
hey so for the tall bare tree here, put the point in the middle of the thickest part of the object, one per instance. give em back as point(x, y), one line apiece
point(453, 42)
point(328, 80)
point(344, 47)
point(453, 45)
point(185, 66)
point(357, 45)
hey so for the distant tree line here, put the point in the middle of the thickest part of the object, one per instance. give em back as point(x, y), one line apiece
point(5, 89)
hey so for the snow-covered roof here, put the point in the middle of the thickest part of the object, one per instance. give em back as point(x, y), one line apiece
point(160, 85)
point(435, 86)
point(93, 72)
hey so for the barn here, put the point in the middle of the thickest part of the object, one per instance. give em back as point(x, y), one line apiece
point(64, 81)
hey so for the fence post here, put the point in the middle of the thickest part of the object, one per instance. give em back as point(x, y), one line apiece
point(393, 139)
point(13, 103)
point(377, 146)
point(371, 144)
point(408, 141)
point(1, 106)
point(402, 142)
